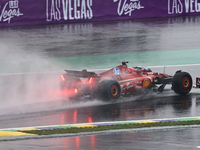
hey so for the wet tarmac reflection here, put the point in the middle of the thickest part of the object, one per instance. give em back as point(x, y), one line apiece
point(157, 108)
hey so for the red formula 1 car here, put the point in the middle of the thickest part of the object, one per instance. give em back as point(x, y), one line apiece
point(122, 80)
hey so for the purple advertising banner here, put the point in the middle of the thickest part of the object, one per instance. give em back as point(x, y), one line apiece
point(35, 12)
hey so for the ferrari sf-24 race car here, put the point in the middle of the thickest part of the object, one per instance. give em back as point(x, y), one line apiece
point(122, 80)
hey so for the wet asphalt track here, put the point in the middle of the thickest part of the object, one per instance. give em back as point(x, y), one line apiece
point(99, 39)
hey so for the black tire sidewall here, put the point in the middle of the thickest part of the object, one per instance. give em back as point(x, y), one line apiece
point(104, 90)
point(177, 83)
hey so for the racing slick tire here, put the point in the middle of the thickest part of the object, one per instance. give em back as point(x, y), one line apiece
point(109, 90)
point(182, 83)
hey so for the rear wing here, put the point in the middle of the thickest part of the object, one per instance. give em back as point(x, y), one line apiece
point(81, 74)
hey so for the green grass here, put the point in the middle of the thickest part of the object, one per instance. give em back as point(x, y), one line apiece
point(112, 127)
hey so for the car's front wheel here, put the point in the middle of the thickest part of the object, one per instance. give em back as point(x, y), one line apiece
point(182, 83)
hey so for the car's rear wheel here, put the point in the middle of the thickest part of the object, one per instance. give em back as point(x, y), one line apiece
point(182, 83)
point(109, 90)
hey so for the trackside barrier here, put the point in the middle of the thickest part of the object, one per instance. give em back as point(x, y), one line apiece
point(36, 12)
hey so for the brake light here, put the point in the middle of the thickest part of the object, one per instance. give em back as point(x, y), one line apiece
point(62, 76)
point(75, 90)
point(90, 80)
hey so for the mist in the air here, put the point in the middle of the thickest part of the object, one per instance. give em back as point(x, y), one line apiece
point(29, 74)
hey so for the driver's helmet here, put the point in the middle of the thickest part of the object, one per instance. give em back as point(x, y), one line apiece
point(147, 69)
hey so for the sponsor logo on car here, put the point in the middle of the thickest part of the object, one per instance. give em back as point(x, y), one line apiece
point(116, 71)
